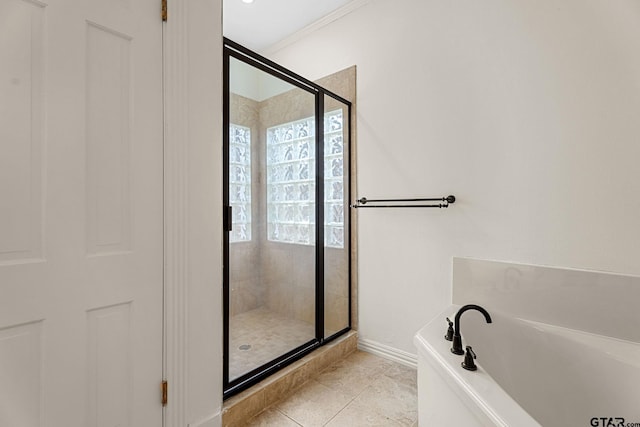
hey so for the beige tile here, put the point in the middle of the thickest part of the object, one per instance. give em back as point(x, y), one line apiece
point(281, 387)
point(236, 413)
point(403, 375)
point(359, 390)
point(283, 383)
point(314, 404)
point(356, 415)
point(336, 312)
point(271, 418)
point(245, 296)
point(336, 271)
point(348, 379)
point(304, 304)
point(349, 345)
point(394, 399)
point(331, 356)
point(268, 333)
point(363, 360)
point(279, 297)
point(339, 350)
point(323, 358)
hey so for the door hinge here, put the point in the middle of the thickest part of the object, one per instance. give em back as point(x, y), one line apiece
point(165, 392)
point(164, 10)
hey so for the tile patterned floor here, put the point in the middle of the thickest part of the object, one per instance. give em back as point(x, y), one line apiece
point(268, 334)
point(361, 390)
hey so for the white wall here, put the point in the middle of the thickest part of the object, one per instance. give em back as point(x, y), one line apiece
point(526, 110)
point(248, 81)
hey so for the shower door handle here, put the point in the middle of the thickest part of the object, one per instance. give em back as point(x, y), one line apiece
point(229, 219)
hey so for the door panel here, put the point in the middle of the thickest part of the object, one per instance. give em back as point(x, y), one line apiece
point(21, 130)
point(21, 373)
point(108, 125)
point(81, 232)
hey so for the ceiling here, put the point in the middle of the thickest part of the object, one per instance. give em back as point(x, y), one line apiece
point(263, 23)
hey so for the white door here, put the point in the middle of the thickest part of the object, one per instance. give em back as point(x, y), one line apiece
point(81, 232)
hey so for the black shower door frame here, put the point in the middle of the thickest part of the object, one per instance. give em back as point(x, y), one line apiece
point(239, 52)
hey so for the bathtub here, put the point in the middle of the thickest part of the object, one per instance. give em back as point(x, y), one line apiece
point(529, 374)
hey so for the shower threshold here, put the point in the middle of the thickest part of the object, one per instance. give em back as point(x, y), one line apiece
point(240, 408)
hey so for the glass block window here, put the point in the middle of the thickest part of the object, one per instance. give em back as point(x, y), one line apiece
point(333, 180)
point(240, 182)
point(291, 182)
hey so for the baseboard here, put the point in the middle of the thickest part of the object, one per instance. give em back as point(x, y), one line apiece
point(382, 350)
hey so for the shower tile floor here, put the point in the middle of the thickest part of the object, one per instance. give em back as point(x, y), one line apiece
point(361, 390)
point(259, 336)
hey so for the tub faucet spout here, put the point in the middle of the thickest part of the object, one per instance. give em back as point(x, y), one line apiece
point(457, 337)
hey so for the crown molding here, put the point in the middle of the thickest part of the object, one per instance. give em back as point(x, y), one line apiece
point(315, 26)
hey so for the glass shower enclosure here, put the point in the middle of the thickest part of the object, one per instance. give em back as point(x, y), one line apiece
point(287, 235)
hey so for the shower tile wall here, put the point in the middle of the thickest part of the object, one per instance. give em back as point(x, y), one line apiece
point(247, 292)
point(290, 275)
point(336, 298)
point(268, 274)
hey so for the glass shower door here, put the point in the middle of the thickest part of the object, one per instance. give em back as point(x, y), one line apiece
point(271, 242)
point(287, 241)
point(337, 247)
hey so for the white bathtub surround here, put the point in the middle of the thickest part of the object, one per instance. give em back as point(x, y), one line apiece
point(592, 301)
point(563, 348)
point(561, 376)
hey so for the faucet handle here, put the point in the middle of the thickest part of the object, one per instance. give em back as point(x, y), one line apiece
point(469, 363)
point(449, 336)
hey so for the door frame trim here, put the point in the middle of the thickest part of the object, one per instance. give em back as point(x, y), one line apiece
point(192, 80)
